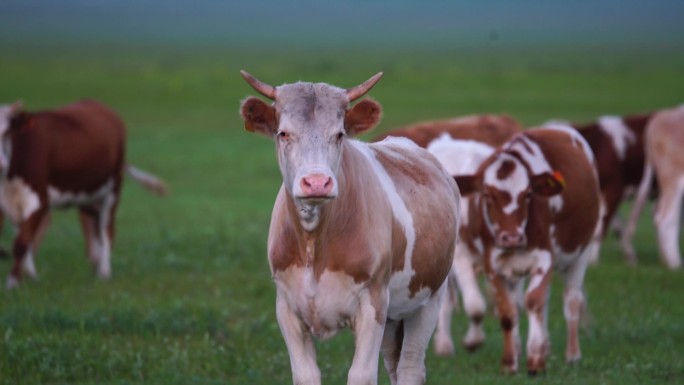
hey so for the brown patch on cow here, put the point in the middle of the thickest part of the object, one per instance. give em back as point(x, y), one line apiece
point(399, 165)
point(505, 170)
point(535, 300)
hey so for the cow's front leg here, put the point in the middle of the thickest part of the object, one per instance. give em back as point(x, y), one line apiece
point(369, 327)
point(300, 345)
point(28, 231)
point(536, 302)
point(505, 294)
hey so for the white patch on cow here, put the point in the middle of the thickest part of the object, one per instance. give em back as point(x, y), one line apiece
point(556, 203)
point(518, 264)
point(619, 133)
point(459, 157)
point(60, 199)
point(515, 184)
point(17, 199)
point(28, 265)
point(531, 153)
point(104, 269)
point(577, 137)
point(544, 264)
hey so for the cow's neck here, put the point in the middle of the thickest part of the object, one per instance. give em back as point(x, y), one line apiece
point(318, 222)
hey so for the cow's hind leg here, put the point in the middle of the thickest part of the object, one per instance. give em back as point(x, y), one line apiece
point(391, 347)
point(474, 303)
point(573, 305)
point(667, 220)
point(23, 248)
point(417, 331)
point(98, 228)
point(442, 341)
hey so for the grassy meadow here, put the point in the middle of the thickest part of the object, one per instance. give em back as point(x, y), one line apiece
point(191, 300)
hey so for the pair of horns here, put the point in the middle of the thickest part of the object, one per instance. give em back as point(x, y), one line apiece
point(270, 92)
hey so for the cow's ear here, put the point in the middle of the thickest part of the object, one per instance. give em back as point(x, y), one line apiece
point(259, 117)
point(365, 115)
point(547, 184)
point(468, 184)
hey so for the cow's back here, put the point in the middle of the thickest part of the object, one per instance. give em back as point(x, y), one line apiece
point(575, 212)
point(78, 147)
point(493, 130)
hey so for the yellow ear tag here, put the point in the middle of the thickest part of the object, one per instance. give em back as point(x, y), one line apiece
point(559, 177)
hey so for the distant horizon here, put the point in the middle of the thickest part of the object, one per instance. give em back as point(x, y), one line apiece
point(476, 24)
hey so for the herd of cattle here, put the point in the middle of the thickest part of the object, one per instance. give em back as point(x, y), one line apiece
point(383, 237)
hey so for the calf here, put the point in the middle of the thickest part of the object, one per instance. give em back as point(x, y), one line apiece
point(362, 235)
point(69, 156)
point(534, 207)
point(663, 146)
point(618, 143)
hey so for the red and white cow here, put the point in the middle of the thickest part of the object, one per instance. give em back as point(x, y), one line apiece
point(71, 156)
point(362, 235)
point(664, 141)
point(618, 144)
point(461, 145)
point(534, 208)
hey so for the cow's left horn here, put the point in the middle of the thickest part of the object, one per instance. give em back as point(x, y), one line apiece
point(358, 91)
point(265, 89)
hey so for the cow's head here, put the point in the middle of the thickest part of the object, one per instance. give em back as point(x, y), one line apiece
point(309, 123)
point(7, 113)
point(505, 186)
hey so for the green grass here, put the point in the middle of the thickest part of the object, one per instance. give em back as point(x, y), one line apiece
point(191, 300)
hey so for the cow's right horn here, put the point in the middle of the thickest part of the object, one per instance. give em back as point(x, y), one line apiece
point(265, 89)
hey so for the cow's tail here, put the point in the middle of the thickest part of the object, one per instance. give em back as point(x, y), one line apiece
point(147, 180)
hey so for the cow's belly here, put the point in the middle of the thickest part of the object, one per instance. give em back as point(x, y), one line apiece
point(325, 305)
point(401, 302)
point(60, 199)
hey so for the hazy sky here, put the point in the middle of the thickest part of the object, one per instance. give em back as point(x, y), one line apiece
point(473, 22)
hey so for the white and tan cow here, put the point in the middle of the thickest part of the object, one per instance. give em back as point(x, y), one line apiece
point(72, 156)
point(534, 208)
point(361, 236)
point(664, 141)
point(461, 144)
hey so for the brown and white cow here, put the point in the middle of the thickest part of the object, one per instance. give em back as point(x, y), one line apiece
point(361, 236)
point(534, 208)
point(618, 144)
point(461, 145)
point(664, 141)
point(71, 156)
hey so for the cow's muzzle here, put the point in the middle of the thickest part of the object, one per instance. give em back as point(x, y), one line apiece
point(317, 187)
point(511, 240)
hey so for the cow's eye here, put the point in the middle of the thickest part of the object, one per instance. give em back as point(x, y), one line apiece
point(339, 136)
point(283, 135)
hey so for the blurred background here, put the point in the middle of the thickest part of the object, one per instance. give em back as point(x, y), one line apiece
point(191, 300)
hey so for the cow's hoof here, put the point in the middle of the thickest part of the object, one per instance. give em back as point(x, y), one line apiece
point(12, 282)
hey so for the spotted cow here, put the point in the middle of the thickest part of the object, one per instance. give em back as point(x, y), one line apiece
point(664, 141)
point(534, 208)
point(72, 156)
point(361, 236)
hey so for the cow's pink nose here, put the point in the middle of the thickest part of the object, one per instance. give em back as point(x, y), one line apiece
point(316, 185)
point(511, 239)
